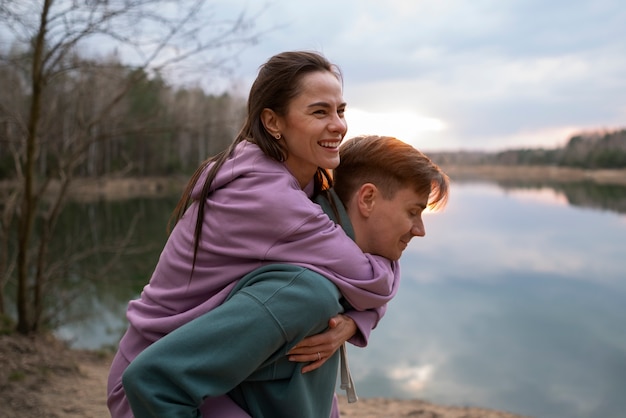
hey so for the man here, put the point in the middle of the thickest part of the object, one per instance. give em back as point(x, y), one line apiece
point(243, 347)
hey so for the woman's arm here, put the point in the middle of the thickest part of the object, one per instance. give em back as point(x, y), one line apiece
point(270, 219)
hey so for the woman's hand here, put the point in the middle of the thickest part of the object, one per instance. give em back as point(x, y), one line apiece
point(318, 348)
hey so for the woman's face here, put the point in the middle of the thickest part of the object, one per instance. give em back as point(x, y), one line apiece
point(314, 126)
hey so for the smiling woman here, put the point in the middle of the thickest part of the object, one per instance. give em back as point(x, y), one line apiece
point(403, 124)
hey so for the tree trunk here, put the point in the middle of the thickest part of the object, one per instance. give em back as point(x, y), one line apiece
point(29, 200)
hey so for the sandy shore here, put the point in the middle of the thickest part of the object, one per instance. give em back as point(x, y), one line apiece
point(394, 408)
point(41, 377)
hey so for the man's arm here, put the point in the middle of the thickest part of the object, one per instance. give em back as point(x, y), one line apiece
point(245, 336)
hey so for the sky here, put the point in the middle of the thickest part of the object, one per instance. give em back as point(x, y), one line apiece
point(483, 75)
point(459, 75)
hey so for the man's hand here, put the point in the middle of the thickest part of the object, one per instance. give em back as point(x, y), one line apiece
point(318, 348)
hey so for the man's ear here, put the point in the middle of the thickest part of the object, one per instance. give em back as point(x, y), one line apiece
point(366, 199)
point(270, 122)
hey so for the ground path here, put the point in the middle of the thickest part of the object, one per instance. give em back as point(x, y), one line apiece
point(41, 377)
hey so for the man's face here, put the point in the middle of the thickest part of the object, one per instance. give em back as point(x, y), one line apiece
point(393, 223)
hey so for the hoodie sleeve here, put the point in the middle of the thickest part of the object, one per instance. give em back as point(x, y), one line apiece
point(316, 242)
point(365, 322)
point(264, 214)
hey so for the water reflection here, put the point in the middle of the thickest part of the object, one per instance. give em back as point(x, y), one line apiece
point(99, 300)
point(587, 194)
point(511, 301)
point(515, 300)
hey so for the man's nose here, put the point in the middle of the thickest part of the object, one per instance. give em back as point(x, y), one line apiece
point(418, 230)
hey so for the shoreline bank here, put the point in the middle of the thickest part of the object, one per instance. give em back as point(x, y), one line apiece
point(42, 376)
point(114, 188)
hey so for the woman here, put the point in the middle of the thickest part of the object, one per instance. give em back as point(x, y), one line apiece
point(250, 206)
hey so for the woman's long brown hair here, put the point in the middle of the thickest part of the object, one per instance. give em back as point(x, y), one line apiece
point(277, 84)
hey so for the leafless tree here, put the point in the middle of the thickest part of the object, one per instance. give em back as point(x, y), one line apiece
point(51, 128)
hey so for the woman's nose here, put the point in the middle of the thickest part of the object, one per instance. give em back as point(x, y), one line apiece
point(339, 125)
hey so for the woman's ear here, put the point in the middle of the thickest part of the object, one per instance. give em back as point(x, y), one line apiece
point(270, 121)
point(366, 199)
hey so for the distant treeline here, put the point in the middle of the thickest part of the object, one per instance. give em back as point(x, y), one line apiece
point(105, 118)
point(588, 151)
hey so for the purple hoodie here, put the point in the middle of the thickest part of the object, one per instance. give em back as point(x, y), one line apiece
point(256, 214)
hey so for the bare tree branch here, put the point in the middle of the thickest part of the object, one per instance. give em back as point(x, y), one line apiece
point(65, 108)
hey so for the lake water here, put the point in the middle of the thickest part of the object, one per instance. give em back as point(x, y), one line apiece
point(514, 300)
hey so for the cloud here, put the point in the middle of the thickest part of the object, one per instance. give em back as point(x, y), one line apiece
point(496, 74)
point(405, 125)
point(413, 379)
